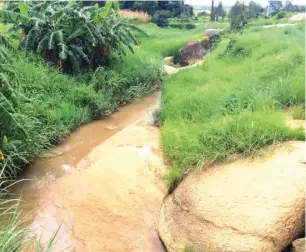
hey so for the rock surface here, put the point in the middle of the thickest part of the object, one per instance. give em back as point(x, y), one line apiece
point(193, 50)
point(209, 33)
point(245, 206)
point(298, 245)
point(170, 69)
point(168, 60)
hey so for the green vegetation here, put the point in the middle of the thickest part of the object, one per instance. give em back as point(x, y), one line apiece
point(298, 112)
point(233, 104)
point(69, 35)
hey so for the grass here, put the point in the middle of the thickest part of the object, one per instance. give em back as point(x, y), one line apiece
point(298, 112)
point(140, 16)
point(272, 20)
point(234, 103)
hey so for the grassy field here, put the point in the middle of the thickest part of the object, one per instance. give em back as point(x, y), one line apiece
point(234, 103)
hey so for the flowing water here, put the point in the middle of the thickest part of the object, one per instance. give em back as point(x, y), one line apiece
point(101, 185)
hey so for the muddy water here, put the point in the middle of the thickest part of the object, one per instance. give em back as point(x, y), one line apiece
point(102, 184)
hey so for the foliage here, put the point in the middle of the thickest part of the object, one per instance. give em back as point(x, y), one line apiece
point(298, 112)
point(293, 7)
point(190, 26)
point(281, 14)
point(254, 10)
point(275, 6)
point(181, 26)
point(238, 16)
point(160, 10)
point(161, 18)
point(212, 11)
point(70, 36)
point(220, 12)
point(203, 14)
point(231, 105)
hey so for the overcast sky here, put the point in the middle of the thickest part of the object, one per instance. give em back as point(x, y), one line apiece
point(231, 2)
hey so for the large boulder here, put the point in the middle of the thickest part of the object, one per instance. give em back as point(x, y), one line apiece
point(194, 50)
point(246, 206)
point(209, 33)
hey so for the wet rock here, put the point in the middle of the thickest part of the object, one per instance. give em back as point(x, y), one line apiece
point(170, 69)
point(298, 245)
point(193, 50)
point(246, 206)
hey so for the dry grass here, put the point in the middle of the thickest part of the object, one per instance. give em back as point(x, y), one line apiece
point(140, 16)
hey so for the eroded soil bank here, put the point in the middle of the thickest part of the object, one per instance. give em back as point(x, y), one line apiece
point(103, 184)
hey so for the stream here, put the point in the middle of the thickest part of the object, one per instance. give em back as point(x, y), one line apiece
point(101, 185)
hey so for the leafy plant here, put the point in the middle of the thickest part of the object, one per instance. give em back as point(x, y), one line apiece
point(69, 35)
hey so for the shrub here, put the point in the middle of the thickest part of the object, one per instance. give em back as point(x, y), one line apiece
point(281, 14)
point(179, 26)
point(161, 18)
point(190, 26)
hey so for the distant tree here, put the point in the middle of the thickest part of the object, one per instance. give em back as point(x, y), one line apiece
point(254, 10)
point(288, 6)
point(238, 16)
point(212, 12)
point(294, 8)
point(187, 11)
point(275, 6)
point(220, 12)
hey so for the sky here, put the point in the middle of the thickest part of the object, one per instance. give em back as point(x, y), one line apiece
point(232, 2)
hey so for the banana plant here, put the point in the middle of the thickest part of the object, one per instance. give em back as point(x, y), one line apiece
point(70, 36)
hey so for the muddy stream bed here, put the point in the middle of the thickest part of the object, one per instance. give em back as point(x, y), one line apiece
point(102, 184)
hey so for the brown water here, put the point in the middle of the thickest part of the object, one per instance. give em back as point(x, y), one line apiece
point(102, 184)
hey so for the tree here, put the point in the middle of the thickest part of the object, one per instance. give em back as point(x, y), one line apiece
point(212, 12)
point(238, 16)
point(275, 6)
point(219, 11)
point(254, 10)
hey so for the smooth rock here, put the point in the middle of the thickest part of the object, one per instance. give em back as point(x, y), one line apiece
point(170, 69)
point(246, 206)
point(169, 60)
point(298, 245)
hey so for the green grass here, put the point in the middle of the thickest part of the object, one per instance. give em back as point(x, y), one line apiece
point(298, 112)
point(234, 103)
point(272, 20)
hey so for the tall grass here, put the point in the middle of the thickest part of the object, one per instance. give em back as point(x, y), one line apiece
point(139, 16)
point(233, 104)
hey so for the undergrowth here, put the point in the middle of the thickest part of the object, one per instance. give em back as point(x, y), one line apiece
point(234, 103)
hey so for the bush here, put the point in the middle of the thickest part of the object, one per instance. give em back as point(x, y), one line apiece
point(203, 14)
point(281, 14)
point(161, 18)
point(190, 26)
point(179, 26)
